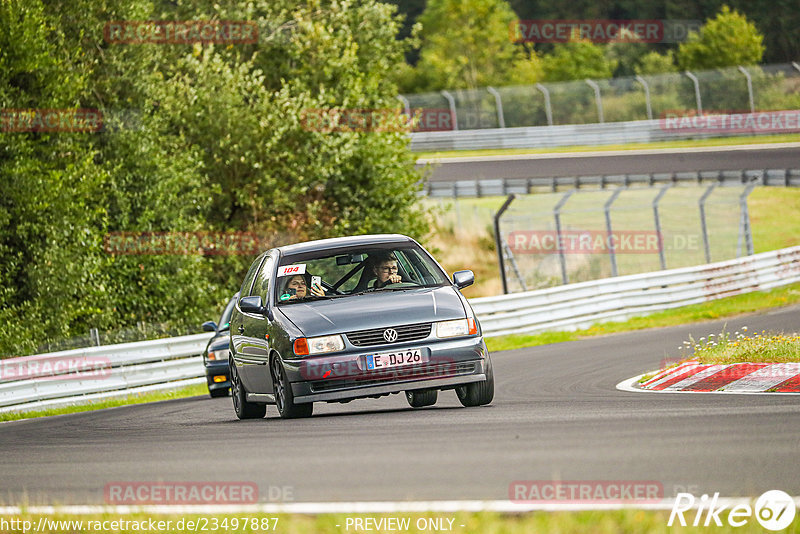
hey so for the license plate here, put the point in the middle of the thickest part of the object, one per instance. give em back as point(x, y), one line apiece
point(400, 358)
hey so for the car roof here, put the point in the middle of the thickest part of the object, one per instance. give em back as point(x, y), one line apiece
point(336, 242)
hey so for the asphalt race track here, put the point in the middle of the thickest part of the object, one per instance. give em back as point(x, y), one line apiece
point(556, 415)
point(617, 162)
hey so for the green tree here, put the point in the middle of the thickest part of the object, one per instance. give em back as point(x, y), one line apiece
point(577, 60)
point(727, 40)
point(467, 44)
point(655, 63)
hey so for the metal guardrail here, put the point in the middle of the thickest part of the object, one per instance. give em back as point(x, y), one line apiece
point(610, 133)
point(65, 377)
point(575, 306)
point(173, 362)
point(523, 186)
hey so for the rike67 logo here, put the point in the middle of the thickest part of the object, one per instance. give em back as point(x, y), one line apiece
point(774, 510)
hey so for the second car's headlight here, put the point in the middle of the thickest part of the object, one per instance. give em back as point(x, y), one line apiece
point(321, 345)
point(218, 355)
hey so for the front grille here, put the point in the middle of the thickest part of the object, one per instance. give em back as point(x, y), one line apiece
point(407, 332)
point(399, 374)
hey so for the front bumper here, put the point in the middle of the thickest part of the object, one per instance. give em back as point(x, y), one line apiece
point(217, 369)
point(342, 377)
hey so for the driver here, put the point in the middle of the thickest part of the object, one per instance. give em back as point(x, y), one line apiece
point(385, 269)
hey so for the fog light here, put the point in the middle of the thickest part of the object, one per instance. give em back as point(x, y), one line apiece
point(220, 378)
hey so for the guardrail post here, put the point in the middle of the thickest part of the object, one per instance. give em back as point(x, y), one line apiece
point(452, 102)
point(749, 88)
point(703, 225)
point(597, 98)
point(501, 121)
point(557, 216)
point(745, 232)
point(548, 110)
point(94, 334)
point(498, 239)
point(646, 96)
point(796, 66)
point(657, 221)
point(609, 234)
point(696, 83)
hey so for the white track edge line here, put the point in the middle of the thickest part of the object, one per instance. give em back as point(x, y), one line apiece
point(315, 508)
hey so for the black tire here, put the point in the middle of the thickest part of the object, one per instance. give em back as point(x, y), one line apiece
point(216, 393)
point(422, 397)
point(478, 393)
point(284, 398)
point(243, 409)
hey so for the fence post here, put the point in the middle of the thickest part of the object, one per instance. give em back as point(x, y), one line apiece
point(94, 334)
point(597, 98)
point(406, 106)
point(796, 66)
point(609, 234)
point(452, 102)
point(703, 225)
point(657, 221)
point(501, 121)
point(548, 110)
point(749, 88)
point(745, 232)
point(559, 243)
point(498, 239)
point(696, 83)
point(646, 96)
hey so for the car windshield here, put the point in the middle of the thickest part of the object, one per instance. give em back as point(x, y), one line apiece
point(354, 271)
point(225, 320)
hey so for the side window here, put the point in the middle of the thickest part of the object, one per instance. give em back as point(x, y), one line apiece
point(261, 287)
point(248, 279)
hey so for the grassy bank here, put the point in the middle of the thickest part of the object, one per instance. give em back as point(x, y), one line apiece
point(708, 311)
point(597, 522)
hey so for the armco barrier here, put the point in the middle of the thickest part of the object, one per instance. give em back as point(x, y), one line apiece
point(168, 363)
point(574, 306)
point(609, 133)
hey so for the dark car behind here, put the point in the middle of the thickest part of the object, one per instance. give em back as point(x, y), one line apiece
point(215, 357)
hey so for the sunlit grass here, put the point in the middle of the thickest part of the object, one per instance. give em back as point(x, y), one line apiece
point(588, 522)
point(760, 347)
point(715, 309)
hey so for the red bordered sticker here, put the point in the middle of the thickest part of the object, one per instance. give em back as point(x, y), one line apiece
point(287, 270)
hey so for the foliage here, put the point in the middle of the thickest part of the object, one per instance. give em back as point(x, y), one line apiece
point(577, 60)
point(655, 63)
point(213, 139)
point(725, 41)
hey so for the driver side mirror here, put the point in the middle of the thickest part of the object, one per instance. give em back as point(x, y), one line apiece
point(463, 279)
point(252, 304)
point(209, 326)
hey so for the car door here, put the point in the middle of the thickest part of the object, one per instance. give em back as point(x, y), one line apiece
point(255, 371)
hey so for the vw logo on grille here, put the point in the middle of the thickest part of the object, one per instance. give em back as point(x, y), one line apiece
point(390, 335)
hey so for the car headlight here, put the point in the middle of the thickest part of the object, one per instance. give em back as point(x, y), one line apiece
point(458, 327)
point(218, 355)
point(318, 345)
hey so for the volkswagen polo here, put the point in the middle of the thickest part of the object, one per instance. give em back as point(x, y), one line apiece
point(355, 317)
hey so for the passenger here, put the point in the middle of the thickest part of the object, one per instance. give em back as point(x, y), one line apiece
point(386, 271)
point(297, 287)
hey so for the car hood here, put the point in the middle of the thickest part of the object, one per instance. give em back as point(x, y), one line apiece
point(375, 310)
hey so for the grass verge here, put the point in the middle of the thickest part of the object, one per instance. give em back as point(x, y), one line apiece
point(762, 347)
point(189, 391)
point(708, 311)
point(594, 522)
point(690, 143)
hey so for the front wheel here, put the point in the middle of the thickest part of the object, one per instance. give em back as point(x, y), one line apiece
point(422, 397)
point(243, 409)
point(284, 398)
point(478, 393)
